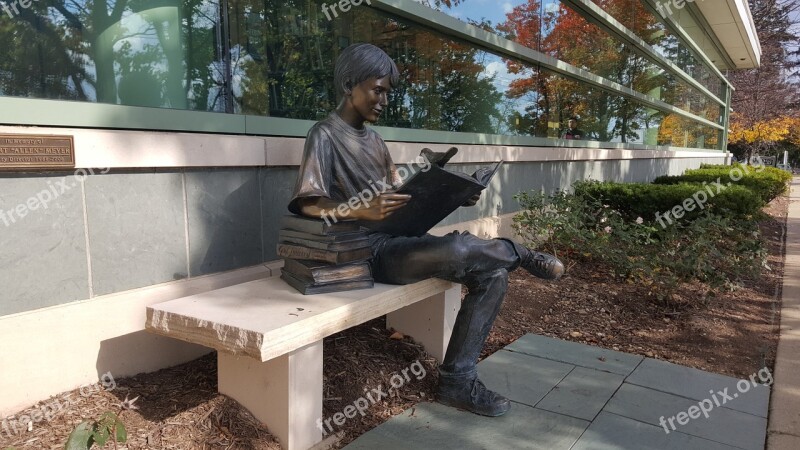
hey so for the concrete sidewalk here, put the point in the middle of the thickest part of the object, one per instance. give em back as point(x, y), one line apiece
point(784, 411)
point(579, 397)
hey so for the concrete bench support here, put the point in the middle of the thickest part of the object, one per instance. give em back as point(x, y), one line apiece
point(285, 393)
point(269, 339)
point(429, 322)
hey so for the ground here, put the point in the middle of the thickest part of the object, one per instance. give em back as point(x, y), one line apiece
point(733, 333)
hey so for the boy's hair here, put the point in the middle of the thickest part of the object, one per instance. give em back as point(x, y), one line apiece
point(360, 62)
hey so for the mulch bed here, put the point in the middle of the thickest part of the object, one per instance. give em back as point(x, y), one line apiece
point(733, 333)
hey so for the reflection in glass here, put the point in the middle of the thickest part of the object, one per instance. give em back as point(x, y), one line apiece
point(274, 58)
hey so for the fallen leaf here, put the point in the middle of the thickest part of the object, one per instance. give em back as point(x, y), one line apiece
point(397, 335)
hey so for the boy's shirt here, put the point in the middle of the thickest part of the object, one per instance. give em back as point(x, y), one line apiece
point(340, 161)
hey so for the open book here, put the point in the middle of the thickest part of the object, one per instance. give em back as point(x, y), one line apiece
point(435, 194)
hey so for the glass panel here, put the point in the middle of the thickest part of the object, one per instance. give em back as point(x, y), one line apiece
point(150, 53)
point(649, 27)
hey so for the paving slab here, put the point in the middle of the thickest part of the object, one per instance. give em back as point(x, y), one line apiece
point(582, 393)
point(723, 425)
point(576, 354)
point(613, 432)
point(699, 385)
point(521, 378)
point(570, 406)
point(435, 426)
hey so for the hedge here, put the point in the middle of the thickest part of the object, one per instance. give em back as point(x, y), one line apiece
point(646, 200)
point(765, 183)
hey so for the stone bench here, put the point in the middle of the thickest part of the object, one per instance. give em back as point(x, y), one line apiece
point(269, 340)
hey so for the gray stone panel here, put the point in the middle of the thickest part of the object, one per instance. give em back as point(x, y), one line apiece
point(224, 220)
point(136, 230)
point(613, 432)
point(277, 186)
point(43, 243)
point(574, 353)
point(582, 394)
point(435, 426)
point(722, 425)
point(521, 378)
point(698, 385)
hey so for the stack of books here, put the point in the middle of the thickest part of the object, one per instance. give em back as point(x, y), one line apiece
point(322, 257)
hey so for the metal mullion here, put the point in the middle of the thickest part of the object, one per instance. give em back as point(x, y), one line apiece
point(608, 23)
point(678, 30)
point(450, 26)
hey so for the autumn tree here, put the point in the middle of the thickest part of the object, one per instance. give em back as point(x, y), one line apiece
point(765, 94)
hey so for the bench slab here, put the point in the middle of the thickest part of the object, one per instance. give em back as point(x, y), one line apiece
point(267, 318)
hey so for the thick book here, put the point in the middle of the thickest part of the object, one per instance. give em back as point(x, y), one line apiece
point(335, 237)
point(329, 246)
point(435, 194)
point(320, 272)
point(306, 289)
point(318, 226)
point(315, 254)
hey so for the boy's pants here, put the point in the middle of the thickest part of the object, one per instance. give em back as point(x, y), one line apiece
point(479, 264)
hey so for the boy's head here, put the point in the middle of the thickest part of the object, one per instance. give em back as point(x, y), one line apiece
point(360, 62)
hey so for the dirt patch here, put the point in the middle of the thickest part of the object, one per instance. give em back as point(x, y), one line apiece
point(733, 333)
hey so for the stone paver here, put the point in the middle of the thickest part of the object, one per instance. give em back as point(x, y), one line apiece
point(699, 385)
point(575, 354)
point(723, 425)
point(613, 432)
point(569, 396)
point(435, 426)
point(582, 394)
point(511, 374)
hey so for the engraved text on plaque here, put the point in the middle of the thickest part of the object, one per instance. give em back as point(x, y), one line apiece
point(23, 151)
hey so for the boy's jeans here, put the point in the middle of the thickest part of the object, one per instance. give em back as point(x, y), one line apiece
point(479, 264)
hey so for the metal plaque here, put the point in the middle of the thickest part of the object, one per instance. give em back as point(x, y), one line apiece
point(33, 151)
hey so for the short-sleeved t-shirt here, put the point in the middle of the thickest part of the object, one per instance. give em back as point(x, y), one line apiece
point(340, 161)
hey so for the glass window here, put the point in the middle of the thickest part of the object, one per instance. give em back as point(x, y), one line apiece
point(160, 53)
point(279, 57)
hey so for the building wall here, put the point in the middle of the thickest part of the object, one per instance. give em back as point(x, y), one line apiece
point(128, 229)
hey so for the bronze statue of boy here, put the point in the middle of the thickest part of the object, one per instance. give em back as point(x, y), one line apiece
point(343, 157)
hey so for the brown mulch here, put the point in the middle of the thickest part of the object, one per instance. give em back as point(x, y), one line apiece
point(733, 333)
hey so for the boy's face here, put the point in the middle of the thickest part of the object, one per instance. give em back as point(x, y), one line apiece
point(370, 97)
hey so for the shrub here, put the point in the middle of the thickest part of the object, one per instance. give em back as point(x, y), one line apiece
point(766, 182)
point(646, 200)
point(714, 249)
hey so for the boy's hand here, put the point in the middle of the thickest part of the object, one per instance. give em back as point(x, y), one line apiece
point(473, 200)
point(381, 207)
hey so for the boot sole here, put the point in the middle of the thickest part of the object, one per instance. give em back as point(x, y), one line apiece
point(466, 407)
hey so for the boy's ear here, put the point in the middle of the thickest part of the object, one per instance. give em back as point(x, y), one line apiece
point(348, 87)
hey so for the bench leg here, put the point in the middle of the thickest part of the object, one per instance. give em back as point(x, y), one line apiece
point(284, 393)
point(430, 321)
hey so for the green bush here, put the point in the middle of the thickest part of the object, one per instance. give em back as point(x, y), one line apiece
point(646, 200)
point(780, 173)
point(766, 182)
point(714, 249)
